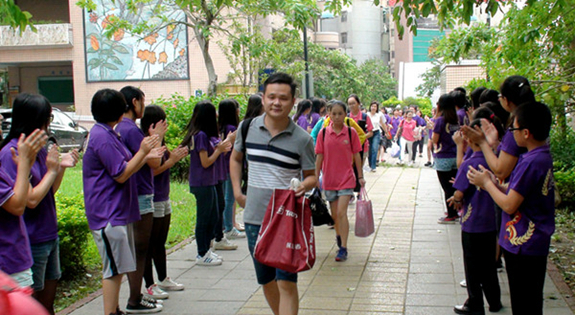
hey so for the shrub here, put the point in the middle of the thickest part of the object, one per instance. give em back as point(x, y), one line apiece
point(73, 231)
point(565, 185)
point(562, 148)
point(179, 111)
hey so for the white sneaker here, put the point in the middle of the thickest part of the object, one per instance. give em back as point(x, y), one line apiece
point(225, 244)
point(208, 260)
point(152, 300)
point(155, 292)
point(215, 256)
point(234, 234)
point(463, 283)
point(170, 285)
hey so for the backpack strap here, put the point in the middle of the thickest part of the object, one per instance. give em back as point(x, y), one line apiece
point(245, 127)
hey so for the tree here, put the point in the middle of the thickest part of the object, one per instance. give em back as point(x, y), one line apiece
point(207, 18)
point(10, 14)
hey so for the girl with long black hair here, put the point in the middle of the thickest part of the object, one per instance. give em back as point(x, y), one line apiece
point(203, 142)
point(31, 112)
point(446, 124)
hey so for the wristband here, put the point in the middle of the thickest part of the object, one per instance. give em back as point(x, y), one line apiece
point(456, 201)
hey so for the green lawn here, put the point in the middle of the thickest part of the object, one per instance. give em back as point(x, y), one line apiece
point(182, 227)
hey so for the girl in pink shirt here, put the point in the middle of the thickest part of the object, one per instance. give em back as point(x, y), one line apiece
point(408, 126)
point(337, 148)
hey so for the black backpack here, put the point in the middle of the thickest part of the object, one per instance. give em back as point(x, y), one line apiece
point(319, 212)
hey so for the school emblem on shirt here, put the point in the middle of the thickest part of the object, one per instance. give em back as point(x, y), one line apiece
point(467, 214)
point(346, 141)
point(515, 239)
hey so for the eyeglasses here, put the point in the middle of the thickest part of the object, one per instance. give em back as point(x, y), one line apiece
point(511, 129)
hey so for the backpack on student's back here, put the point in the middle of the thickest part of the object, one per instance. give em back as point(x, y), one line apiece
point(244, 130)
point(362, 123)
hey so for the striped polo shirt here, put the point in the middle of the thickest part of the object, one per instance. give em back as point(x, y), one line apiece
point(273, 162)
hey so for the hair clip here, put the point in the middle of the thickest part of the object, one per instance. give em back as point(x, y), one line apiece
point(492, 116)
point(521, 84)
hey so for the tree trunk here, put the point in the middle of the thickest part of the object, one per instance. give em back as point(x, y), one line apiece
point(209, 63)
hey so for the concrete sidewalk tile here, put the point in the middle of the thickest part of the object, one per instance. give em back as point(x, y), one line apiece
point(430, 299)
point(376, 308)
point(325, 303)
point(428, 310)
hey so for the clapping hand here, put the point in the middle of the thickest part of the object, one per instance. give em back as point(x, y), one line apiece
point(28, 147)
point(69, 159)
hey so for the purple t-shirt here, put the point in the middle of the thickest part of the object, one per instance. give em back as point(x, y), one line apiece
point(106, 200)
point(304, 122)
point(478, 206)
point(420, 121)
point(528, 231)
point(314, 119)
point(219, 165)
point(41, 222)
point(162, 183)
point(200, 176)
point(15, 254)
point(431, 131)
point(395, 124)
point(226, 156)
point(509, 145)
point(462, 117)
point(132, 137)
point(446, 148)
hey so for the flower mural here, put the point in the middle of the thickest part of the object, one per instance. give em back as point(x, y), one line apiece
point(161, 55)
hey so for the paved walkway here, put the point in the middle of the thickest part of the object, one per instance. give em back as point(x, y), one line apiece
point(411, 265)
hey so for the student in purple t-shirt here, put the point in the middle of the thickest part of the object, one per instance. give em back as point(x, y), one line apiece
point(154, 114)
point(228, 120)
point(445, 151)
point(110, 194)
point(528, 206)
point(478, 237)
point(430, 123)
point(15, 254)
point(460, 98)
point(303, 115)
point(32, 112)
point(515, 90)
point(221, 242)
point(131, 135)
point(204, 147)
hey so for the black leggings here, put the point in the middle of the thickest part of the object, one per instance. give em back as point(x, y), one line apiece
point(448, 190)
point(218, 230)
point(157, 250)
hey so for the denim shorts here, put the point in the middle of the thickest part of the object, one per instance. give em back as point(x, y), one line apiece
point(445, 165)
point(265, 274)
point(162, 208)
point(46, 256)
point(146, 203)
point(23, 278)
point(333, 195)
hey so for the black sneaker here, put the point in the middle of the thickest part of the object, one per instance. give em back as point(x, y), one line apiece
point(427, 164)
point(143, 307)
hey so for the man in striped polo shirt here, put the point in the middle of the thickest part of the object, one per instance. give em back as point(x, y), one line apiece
point(277, 150)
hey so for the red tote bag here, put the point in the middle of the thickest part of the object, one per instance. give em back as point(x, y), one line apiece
point(286, 238)
point(364, 225)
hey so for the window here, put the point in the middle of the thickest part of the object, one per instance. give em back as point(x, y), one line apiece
point(344, 38)
point(344, 16)
point(58, 90)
